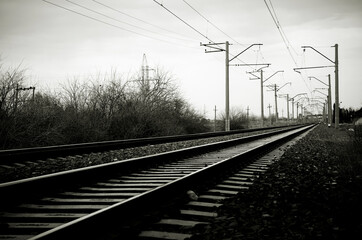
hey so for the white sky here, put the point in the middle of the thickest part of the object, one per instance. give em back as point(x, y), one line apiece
point(55, 44)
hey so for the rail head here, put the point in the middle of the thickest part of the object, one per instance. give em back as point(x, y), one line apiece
point(13, 191)
point(26, 154)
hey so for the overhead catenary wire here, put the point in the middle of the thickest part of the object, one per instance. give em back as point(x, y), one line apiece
point(112, 18)
point(115, 19)
point(284, 37)
point(207, 20)
point(189, 25)
point(281, 28)
point(113, 25)
point(140, 20)
point(277, 24)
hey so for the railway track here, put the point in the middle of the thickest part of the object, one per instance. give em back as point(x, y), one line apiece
point(24, 163)
point(201, 209)
point(22, 155)
point(109, 199)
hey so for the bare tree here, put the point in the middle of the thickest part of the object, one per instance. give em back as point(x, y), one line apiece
point(75, 94)
point(10, 80)
point(238, 118)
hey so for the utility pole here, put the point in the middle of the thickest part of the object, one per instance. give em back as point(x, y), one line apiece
point(301, 106)
point(329, 101)
point(297, 104)
point(329, 97)
point(275, 88)
point(262, 81)
point(22, 89)
point(292, 108)
point(336, 72)
point(262, 97)
point(227, 61)
point(336, 86)
point(269, 106)
point(324, 113)
point(16, 97)
point(247, 116)
point(218, 49)
point(288, 107)
point(276, 103)
point(287, 96)
point(227, 106)
point(215, 119)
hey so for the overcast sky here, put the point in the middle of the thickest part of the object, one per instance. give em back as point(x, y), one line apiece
point(55, 44)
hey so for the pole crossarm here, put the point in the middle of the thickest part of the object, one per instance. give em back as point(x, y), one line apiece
point(273, 75)
point(319, 53)
point(316, 90)
point(271, 87)
point(302, 98)
point(24, 89)
point(284, 85)
point(298, 95)
point(310, 78)
point(212, 51)
point(258, 70)
point(302, 68)
point(252, 73)
point(250, 64)
point(211, 45)
point(254, 44)
point(316, 100)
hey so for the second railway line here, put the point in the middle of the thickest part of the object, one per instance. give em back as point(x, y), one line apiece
point(25, 163)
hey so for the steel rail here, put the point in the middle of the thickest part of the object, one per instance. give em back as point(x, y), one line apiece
point(26, 154)
point(20, 188)
point(16, 190)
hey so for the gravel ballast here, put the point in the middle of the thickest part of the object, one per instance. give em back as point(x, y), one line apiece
point(313, 192)
point(51, 165)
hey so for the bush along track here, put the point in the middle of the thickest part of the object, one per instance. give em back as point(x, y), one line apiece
point(313, 192)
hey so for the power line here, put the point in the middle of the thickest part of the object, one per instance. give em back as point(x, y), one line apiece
point(277, 24)
point(276, 17)
point(207, 20)
point(283, 35)
point(168, 10)
point(104, 15)
point(117, 20)
point(112, 25)
point(211, 41)
point(138, 19)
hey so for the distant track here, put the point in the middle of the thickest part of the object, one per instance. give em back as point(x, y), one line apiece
point(27, 154)
point(82, 202)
